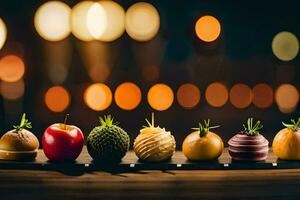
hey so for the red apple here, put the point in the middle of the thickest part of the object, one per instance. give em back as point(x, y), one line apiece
point(62, 142)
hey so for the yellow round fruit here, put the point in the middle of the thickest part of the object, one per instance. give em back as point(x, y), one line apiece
point(286, 144)
point(203, 144)
point(208, 147)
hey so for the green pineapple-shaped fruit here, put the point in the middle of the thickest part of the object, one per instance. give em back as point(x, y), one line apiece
point(108, 143)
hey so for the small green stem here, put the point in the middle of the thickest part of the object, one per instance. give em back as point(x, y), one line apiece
point(204, 129)
point(251, 129)
point(294, 126)
point(23, 124)
point(65, 121)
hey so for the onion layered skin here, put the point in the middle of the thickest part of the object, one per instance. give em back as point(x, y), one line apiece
point(248, 147)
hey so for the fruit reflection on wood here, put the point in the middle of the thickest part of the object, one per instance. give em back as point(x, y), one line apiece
point(108, 143)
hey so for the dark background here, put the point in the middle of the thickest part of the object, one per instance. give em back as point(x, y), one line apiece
point(242, 54)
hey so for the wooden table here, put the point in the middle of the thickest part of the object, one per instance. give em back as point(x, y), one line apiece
point(150, 184)
point(196, 184)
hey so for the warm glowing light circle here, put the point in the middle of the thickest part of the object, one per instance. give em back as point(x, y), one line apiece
point(241, 95)
point(96, 19)
point(3, 33)
point(114, 26)
point(79, 21)
point(188, 95)
point(150, 73)
point(52, 20)
point(208, 28)
point(98, 97)
point(128, 96)
point(262, 95)
point(285, 46)
point(160, 97)
point(57, 99)
point(12, 68)
point(142, 21)
point(287, 98)
point(12, 91)
point(216, 94)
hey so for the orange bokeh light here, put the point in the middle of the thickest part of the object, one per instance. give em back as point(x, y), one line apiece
point(208, 28)
point(262, 95)
point(241, 95)
point(12, 91)
point(160, 97)
point(98, 96)
point(287, 98)
point(128, 96)
point(216, 94)
point(150, 73)
point(57, 99)
point(188, 95)
point(12, 68)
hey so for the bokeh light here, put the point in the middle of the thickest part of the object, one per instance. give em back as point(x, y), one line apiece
point(160, 97)
point(52, 20)
point(57, 74)
point(150, 73)
point(208, 28)
point(79, 21)
point(12, 91)
point(96, 20)
point(128, 96)
point(114, 26)
point(262, 95)
point(12, 68)
point(142, 21)
point(188, 95)
point(3, 33)
point(99, 73)
point(287, 98)
point(285, 46)
point(98, 96)
point(241, 95)
point(57, 99)
point(216, 94)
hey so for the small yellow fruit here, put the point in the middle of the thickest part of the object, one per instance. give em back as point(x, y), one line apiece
point(286, 144)
point(203, 144)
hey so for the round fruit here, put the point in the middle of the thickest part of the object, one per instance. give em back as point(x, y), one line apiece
point(203, 144)
point(249, 144)
point(108, 142)
point(154, 144)
point(19, 143)
point(286, 144)
point(62, 142)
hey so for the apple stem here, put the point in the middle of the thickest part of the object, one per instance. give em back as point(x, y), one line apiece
point(65, 122)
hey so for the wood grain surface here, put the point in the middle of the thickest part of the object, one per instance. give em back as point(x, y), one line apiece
point(193, 184)
point(72, 183)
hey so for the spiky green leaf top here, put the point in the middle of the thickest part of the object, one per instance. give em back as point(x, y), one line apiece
point(25, 123)
point(294, 126)
point(107, 121)
point(150, 125)
point(251, 129)
point(204, 128)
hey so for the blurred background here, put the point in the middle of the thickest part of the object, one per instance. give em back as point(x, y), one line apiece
point(186, 61)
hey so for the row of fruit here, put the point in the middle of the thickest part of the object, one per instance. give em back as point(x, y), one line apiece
point(108, 143)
